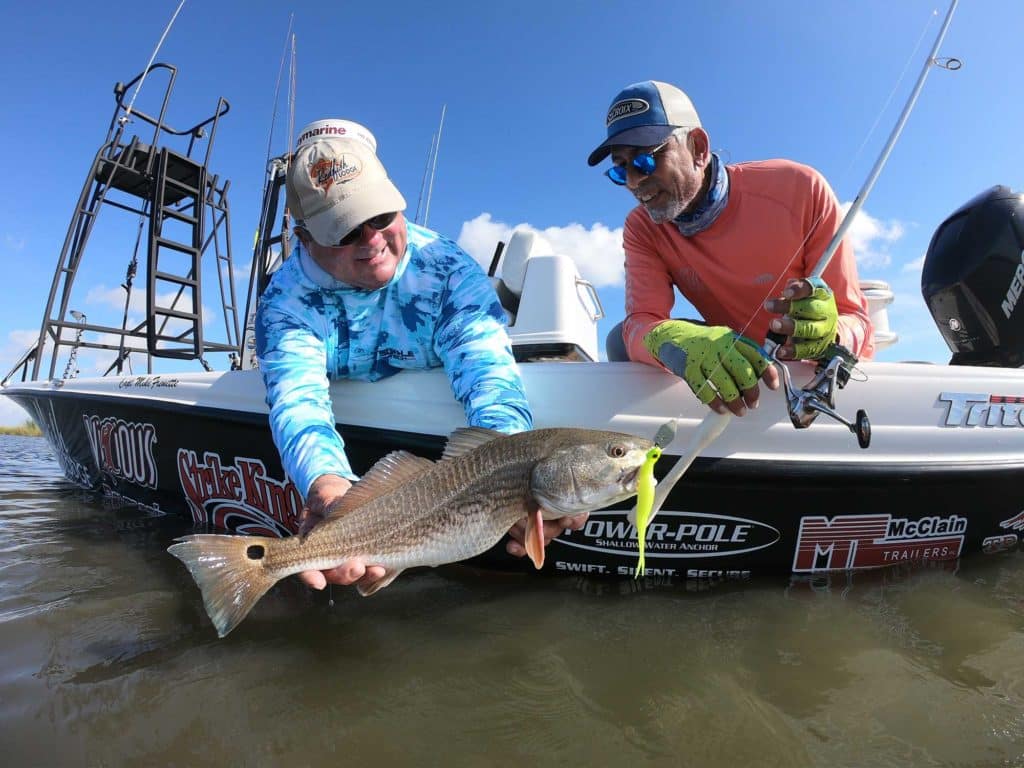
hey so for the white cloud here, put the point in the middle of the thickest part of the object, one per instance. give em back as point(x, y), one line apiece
point(23, 339)
point(597, 251)
point(12, 414)
point(916, 265)
point(114, 297)
point(13, 243)
point(871, 238)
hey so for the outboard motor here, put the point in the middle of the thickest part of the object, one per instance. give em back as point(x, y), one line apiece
point(973, 280)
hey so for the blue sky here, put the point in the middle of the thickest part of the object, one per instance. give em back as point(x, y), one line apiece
point(526, 89)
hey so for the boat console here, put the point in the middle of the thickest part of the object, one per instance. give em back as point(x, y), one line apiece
point(552, 311)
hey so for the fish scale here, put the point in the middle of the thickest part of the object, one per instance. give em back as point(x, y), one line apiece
point(409, 512)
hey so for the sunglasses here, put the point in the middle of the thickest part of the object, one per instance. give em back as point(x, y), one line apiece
point(381, 221)
point(644, 162)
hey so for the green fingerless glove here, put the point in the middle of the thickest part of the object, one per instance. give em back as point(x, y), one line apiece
point(816, 319)
point(713, 360)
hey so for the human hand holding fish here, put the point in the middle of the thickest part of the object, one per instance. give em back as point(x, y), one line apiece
point(408, 511)
point(324, 493)
point(326, 490)
point(516, 545)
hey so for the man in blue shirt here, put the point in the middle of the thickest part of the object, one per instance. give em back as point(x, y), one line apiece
point(363, 283)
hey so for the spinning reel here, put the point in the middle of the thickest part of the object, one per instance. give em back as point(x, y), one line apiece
point(818, 396)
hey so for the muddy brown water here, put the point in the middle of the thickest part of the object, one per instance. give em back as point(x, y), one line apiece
point(107, 659)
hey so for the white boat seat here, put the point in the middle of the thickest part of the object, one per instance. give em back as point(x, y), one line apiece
point(552, 312)
point(879, 297)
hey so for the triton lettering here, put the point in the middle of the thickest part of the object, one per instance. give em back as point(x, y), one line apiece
point(977, 409)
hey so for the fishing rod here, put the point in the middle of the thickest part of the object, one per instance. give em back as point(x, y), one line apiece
point(818, 396)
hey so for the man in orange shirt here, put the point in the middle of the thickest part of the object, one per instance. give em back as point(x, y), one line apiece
point(727, 237)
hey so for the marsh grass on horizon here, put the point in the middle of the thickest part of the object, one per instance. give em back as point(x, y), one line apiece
point(28, 429)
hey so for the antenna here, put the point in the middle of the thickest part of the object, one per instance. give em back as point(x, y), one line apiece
point(433, 170)
point(423, 183)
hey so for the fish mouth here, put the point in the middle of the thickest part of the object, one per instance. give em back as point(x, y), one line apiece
point(628, 478)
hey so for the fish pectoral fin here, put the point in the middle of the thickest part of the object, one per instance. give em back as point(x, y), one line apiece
point(534, 538)
point(372, 589)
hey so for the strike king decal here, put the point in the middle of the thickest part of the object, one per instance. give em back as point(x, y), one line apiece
point(123, 449)
point(868, 541)
point(973, 409)
point(672, 535)
point(241, 497)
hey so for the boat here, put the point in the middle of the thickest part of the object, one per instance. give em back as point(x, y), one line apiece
point(928, 471)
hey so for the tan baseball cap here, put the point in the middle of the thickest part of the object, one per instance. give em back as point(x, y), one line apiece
point(335, 181)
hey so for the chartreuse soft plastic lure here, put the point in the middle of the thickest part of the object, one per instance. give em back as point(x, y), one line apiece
point(644, 503)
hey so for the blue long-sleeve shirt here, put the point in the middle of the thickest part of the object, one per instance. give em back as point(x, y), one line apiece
point(437, 310)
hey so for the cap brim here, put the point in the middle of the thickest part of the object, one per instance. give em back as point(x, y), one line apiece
point(327, 227)
point(642, 136)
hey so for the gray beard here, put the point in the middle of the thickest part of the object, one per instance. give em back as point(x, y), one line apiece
point(665, 212)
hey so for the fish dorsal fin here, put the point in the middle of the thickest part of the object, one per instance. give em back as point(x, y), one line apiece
point(395, 469)
point(465, 439)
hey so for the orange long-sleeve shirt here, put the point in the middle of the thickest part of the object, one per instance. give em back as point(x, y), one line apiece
point(780, 218)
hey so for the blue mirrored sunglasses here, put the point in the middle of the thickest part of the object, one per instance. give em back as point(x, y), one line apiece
point(645, 163)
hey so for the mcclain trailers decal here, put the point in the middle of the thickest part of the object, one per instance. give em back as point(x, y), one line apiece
point(672, 535)
point(974, 409)
point(241, 497)
point(867, 541)
point(123, 449)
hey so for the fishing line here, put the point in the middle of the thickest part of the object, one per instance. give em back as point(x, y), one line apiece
point(277, 89)
point(145, 72)
point(878, 118)
point(714, 423)
point(269, 169)
point(851, 212)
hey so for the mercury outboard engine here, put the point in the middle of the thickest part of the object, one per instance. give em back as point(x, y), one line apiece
point(973, 280)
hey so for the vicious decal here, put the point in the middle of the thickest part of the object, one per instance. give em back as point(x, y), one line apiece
point(241, 497)
point(868, 541)
point(123, 449)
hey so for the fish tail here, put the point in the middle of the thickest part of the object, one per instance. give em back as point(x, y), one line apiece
point(229, 571)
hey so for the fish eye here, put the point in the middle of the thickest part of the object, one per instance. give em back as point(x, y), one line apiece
point(617, 450)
